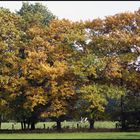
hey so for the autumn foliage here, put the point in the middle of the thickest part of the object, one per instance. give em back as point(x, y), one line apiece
point(50, 68)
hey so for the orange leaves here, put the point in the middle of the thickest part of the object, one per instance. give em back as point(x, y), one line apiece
point(57, 61)
point(60, 25)
point(113, 69)
point(132, 78)
point(57, 28)
point(10, 36)
point(58, 69)
point(35, 96)
point(65, 31)
point(47, 60)
point(95, 24)
point(66, 89)
point(119, 20)
point(36, 31)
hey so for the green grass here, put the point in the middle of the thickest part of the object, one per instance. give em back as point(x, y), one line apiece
point(97, 135)
point(76, 135)
point(104, 124)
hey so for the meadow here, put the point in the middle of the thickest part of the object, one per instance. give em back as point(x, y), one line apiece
point(97, 135)
point(70, 135)
point(72, 124)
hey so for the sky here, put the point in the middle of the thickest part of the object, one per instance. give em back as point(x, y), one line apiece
point(80, 10)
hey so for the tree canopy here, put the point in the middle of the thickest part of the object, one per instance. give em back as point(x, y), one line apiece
point(50, 67)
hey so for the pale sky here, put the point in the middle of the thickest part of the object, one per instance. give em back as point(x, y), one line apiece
point(80, 10)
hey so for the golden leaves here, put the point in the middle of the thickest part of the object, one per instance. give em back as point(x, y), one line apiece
point(58, 69)
point(53, 68)
point(35, 96)
point(113, 70)
point(94, 96)
point(36, 31)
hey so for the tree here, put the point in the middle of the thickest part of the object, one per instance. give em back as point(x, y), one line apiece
point(34, 14)
point(116, 38)
point(61, 35)
point(30, 15)
point(108, 53)
point(94, 89)
point(48, 85)
point(10, 37)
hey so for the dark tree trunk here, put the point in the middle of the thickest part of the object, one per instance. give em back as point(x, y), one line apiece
point(33, 119)
point(122, 115)
point(91, 122)
point(32, 126)
point(28, 125)
point(22, 125)
point(0, 121)
point(123, 125)
point(58, 125)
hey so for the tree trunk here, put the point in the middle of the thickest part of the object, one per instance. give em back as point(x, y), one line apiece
point(28, 125)
point(123, 125)
point(122, 115)
point(91, 122)
point(58, 125)
point(0, 121)
point(22, 125)
point(32, 126)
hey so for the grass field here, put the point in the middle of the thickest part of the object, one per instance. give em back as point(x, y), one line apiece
point(76, 135)
point(97, 135)
point(104, 124)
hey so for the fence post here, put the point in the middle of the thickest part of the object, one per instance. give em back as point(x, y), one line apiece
point(44, 126)
point(77, 125)
point(12, 126)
